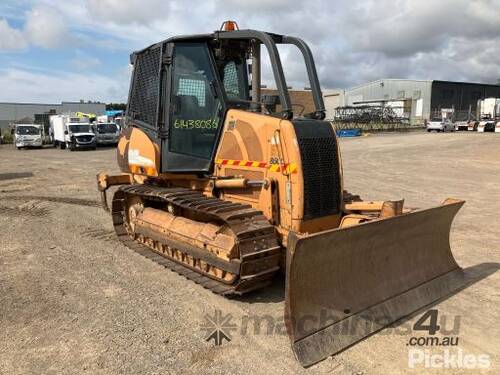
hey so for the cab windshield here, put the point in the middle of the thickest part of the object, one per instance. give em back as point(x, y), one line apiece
point(107, 128)
point(27, 130)
point(79, 128)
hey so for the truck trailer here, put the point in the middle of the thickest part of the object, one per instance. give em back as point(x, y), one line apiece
point(489, 114)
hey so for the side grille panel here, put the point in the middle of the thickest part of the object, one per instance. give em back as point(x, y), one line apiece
point(320, 164)
point(143, 101)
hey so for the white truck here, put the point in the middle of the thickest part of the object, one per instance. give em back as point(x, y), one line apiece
point(71, 132)
point(28, 135)
point(489, 114)
point(106, 133)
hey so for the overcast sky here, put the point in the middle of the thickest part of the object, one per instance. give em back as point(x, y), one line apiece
point(54, 50)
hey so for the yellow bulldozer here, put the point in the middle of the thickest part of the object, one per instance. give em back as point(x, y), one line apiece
point(227, 186)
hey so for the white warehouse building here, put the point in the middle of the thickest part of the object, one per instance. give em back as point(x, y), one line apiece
point(420, 98)
point(412, 96)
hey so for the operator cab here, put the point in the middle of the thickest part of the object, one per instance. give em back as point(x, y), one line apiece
point(183, 87)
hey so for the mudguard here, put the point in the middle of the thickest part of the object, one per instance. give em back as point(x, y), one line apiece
point(342, 285)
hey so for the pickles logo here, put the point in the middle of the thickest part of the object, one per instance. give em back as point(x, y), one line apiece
point(447, 359)
point(218, 327)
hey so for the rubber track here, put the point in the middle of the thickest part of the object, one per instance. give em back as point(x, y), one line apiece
point(247, 224)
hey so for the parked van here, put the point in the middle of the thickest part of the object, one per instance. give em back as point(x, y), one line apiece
point(106, 133)
point(28, 135)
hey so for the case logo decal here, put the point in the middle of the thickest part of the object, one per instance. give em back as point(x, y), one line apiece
point(135, 158)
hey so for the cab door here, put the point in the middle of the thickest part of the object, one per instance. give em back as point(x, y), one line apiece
point(194, 111)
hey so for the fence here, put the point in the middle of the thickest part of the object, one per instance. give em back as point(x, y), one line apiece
point(371, 114)
point(372, 118)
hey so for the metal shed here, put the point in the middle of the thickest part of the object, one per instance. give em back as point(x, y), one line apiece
point(11, 112)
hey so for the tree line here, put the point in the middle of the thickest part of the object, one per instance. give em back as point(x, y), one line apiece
point(116, 106)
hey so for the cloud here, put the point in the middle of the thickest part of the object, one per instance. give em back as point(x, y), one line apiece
point(405, 28)
point(352, 42)
point(127, 12)
point(85, 62)
point(356, 42)
point(11, 39)
point(37, 86)
point(243, 6)
point(45, 27)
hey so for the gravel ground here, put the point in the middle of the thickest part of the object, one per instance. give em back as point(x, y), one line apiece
point(74, 300)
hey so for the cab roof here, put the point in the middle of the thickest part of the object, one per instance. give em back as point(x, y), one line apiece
point(235, 34)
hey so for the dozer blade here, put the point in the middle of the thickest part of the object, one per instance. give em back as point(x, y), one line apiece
point(344, 284)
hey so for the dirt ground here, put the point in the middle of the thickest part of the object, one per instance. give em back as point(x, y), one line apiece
point(74, 300)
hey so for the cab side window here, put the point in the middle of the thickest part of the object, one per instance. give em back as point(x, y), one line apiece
point(195, 108)
point(234, 79)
